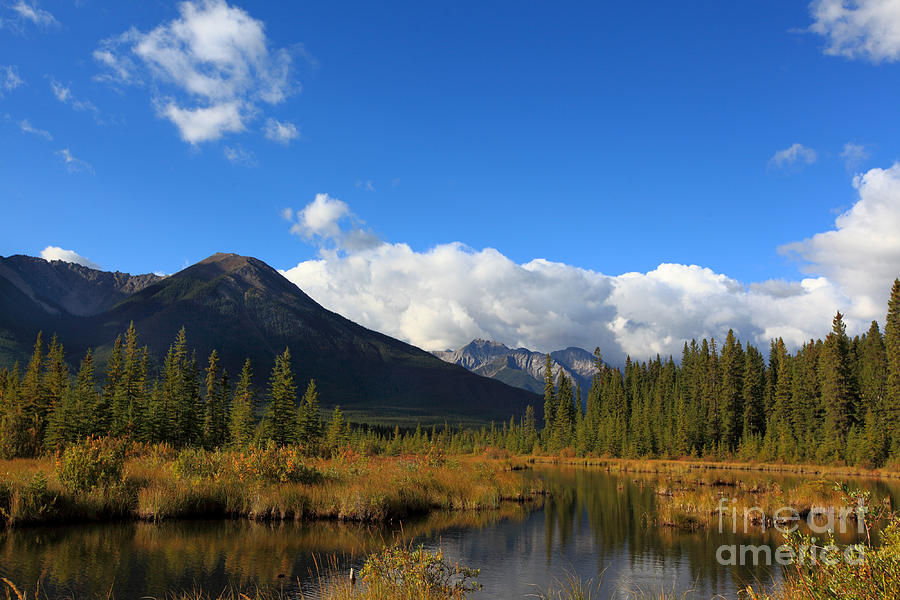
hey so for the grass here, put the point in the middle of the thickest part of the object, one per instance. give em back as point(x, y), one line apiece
point(159, 485)
point(681, 466)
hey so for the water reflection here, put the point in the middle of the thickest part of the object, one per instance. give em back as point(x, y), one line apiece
point(594, 524)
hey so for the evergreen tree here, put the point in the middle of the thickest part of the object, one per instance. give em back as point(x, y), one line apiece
point(731, 391)
point(838, 389)
point(549, 399)
point(337, 434)
point(309, 423)
point(282, 420)
point(892, 354)
point(214, 413)
point(241, 418)
point(754, 390)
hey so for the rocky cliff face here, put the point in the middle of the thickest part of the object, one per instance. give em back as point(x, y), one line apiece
point(522, 367)
point(59, 287)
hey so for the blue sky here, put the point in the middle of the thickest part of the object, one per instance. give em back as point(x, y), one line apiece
point(611, 137)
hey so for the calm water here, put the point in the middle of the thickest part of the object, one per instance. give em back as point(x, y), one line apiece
point(594, 524)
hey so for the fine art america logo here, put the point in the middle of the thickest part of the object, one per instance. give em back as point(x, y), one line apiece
point(819, 520)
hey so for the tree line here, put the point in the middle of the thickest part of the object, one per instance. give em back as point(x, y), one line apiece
point(836, 399)
point(45, 408)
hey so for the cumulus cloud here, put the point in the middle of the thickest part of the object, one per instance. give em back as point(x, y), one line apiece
point(57, 253)
point(9, 78)
point(862, 253)
point(330, 223)
point(448, 295)
point(280, 132)
point(74, 165)
point(795, 155)
point(868, 29)
point(214, 61)
point(26, 126)
point(205, 124)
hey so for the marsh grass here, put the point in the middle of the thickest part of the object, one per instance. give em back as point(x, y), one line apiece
point(157, 485)
point(689, 465)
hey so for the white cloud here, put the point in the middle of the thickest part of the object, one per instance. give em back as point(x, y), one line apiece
point(205, 124)
point(280, 132)
point(238, 155)
point(57, 253)
point(862, 254)
point(796, 154)
point(854, 155)
point(365, 185)
point(450, 294)
point(74, 165)
point(64, 94)
point(321, 221)
point(26, 126)
point(868, 29)
point(32, 13)
point(214, 61)
point(9, 78)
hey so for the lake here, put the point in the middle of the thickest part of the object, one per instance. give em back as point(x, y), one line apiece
point(594, 524)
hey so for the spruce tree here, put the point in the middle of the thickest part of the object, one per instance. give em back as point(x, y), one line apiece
point(241, 417)
point(838, 389)
point(549, 399)
point(731, 391)
point(281, 416)
point(336, 435)
point(309, 424)
point(753, 392)
point(892, 354)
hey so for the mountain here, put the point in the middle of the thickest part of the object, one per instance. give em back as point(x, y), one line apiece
point(245, 309)
point(38, 294)
point(521, 367)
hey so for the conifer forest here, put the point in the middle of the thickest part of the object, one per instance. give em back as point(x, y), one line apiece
point(833, 400)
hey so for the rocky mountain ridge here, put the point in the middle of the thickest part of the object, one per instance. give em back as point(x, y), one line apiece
point(522, 367)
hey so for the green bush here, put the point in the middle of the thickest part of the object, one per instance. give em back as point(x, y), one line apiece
point(417, 573)
point(25, 500)
point(193, 462)
point(94, 463)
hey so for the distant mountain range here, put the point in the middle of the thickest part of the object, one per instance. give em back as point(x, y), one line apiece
point(245, 309)
point(521, 367)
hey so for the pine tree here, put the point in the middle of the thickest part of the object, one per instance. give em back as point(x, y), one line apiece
point(838, 389)
point(754, 390)
point(309, 428)
point(892, 354)
point(731, 391)
point(214, 411)
point(241, 418)
point(282, 420)
point(549, 399)
point(336, 435)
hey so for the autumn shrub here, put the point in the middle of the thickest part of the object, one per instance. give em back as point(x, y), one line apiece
point(93, 463)
point(273, 464)
point(197, 463)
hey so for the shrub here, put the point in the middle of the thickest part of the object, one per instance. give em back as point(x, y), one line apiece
point(274, 464)
point(192, 462)
point(93, 463)
point(26, 500)
point(417, 573)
